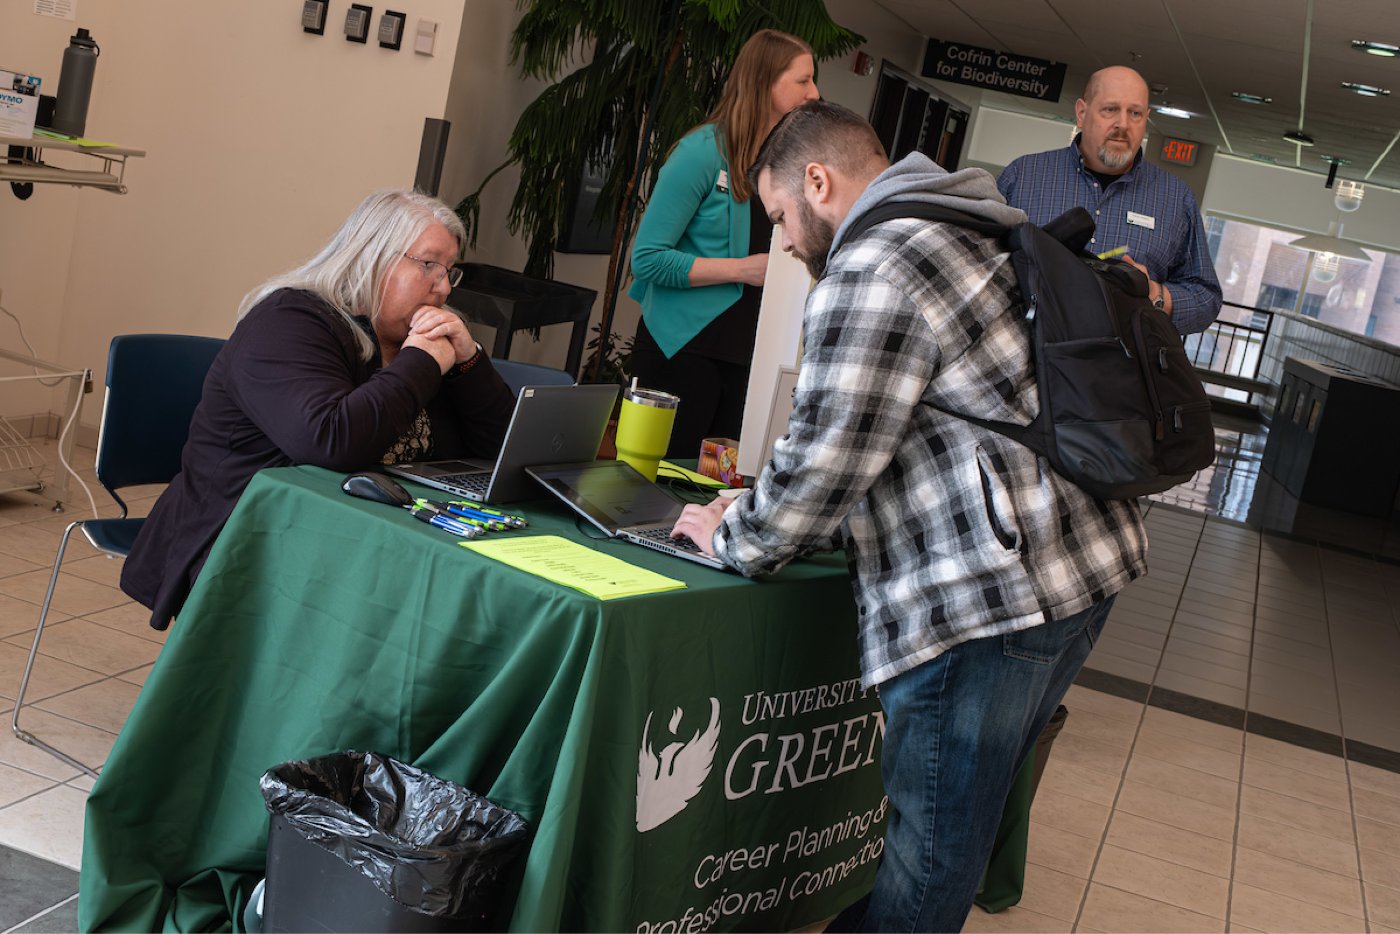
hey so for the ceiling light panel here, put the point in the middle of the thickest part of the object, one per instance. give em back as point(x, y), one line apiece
point(1384, 49)
point(1366, 90)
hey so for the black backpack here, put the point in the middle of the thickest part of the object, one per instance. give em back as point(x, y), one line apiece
point(1122, 413)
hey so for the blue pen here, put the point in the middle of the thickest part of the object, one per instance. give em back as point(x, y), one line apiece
point(431, 516)
point(460, 516)
point(517, 521)
point(493, 523)
point(464, 514)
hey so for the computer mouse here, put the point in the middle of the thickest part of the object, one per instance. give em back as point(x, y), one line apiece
point(370, 484)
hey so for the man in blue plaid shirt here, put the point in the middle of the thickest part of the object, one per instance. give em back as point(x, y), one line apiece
point(981, 577)
point(1135, 204)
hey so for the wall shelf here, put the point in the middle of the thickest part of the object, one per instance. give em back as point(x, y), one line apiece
point(32, 168)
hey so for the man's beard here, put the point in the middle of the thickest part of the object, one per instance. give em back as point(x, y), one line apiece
point(818, 235)
point(1115, 159)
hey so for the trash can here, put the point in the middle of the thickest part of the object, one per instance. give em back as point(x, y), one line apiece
point(1005, 877)
point(362, 842)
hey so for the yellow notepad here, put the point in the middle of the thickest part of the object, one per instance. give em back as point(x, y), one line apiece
point(574, 565)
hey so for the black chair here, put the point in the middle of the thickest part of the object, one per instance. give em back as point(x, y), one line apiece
point(517, 374)
point(154, 382)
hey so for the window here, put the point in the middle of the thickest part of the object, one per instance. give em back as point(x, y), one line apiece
point(1277, 298)
point(1260, 269)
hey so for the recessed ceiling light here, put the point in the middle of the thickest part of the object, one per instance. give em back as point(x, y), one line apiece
point(1299, 137)
point(1174, 112)
point(1244, 98)
point(1366, 90)
point(1375, 48)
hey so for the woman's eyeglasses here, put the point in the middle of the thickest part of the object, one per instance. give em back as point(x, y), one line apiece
point(435, 270)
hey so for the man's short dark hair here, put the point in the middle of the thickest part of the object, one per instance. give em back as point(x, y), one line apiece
point(817, 131)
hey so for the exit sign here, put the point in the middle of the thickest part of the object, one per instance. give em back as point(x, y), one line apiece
point(1180, 151)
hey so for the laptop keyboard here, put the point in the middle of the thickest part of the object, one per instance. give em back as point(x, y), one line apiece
point(662, 534)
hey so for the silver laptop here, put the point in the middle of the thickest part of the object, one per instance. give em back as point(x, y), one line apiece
point(622, 503)
point(550, 424)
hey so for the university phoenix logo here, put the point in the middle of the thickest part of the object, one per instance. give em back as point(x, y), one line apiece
point(666, 781)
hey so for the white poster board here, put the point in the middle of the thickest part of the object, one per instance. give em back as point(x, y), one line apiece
point(777, 346)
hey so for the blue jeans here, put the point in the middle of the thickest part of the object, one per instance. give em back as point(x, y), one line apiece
point(957, 729)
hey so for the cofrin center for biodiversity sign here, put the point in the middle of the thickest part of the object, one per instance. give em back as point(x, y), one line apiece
point(997, 71)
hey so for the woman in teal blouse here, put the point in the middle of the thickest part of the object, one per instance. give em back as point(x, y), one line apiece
point(702, 246)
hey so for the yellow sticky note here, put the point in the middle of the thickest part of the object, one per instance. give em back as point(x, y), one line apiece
point(81, 141)
point(666, 469)
point(574, 565)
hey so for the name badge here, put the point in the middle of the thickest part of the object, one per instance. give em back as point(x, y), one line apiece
point(1142, 220)
point(722, 180)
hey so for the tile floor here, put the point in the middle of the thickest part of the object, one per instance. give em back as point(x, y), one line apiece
point(1231, 759)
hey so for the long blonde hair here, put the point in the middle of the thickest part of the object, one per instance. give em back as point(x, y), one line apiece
point(742, 113)
point(349, 272)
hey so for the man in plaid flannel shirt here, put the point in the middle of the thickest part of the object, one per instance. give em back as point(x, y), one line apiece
point(981, 577)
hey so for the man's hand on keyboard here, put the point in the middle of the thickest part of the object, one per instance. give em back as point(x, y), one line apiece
point(699, 523)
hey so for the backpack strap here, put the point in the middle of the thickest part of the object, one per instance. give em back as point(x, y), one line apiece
point(924, 210)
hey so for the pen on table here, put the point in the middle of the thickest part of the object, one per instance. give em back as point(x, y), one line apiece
point(513, 521)
point(467, 514)
point(461, 515)
point(1116, 251)
point(431, 516)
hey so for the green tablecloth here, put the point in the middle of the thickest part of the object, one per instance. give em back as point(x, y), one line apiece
point(323, 623)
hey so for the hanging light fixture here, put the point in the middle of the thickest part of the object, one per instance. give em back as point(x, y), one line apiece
point(1331, 242)
point(1349, 195)
point(1325, 267)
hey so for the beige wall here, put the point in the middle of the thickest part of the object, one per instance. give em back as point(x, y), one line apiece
point(260, 139)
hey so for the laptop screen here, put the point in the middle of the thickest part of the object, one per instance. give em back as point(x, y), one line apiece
point(611, 494)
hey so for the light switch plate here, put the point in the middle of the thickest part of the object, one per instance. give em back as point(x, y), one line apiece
point(357, 22)
point(313, 17)
point(391, 30)
point(427, 37)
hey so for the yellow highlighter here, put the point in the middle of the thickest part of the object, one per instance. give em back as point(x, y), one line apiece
point(1116, 251)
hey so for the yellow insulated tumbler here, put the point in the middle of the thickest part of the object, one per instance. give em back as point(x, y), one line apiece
point(644, 428)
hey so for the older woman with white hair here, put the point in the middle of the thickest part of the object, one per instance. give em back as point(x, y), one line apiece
point(349, 361)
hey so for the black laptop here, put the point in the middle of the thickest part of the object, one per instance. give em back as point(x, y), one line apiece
point(622, 503)
point(550, 424)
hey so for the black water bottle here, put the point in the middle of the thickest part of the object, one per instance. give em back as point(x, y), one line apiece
point(75, 84)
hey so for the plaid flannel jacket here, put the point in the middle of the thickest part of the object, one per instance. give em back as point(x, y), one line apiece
point(952, 532)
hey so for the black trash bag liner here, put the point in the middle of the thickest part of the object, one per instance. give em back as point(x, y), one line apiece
point(428, 844)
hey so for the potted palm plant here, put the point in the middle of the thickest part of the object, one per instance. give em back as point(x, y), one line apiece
point(653, 70)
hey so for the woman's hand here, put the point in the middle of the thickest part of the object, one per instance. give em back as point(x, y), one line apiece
point(433, 322)
point(439, 348)
point(753, 268)
point(749, 270)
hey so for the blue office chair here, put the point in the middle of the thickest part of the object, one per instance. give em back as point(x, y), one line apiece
point(517, 374)
point(154, 382)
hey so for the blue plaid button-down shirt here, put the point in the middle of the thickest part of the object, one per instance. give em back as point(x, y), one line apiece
point(1149, 210)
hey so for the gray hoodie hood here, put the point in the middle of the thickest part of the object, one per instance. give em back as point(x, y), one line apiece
point(916, 177)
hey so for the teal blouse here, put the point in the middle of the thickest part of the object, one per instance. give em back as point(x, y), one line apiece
point(692, 212)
